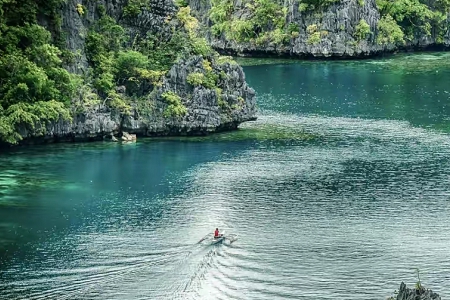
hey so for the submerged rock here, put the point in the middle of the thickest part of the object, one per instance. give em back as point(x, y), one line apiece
point(126, 137)
point(405, 293)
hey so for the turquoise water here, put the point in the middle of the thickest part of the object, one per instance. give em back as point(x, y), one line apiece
point(339, 191)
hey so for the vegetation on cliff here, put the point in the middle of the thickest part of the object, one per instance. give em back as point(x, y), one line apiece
point(34, 86)
point(408, 19)
point(266, 22)
point(125, 70)
point(263, 22)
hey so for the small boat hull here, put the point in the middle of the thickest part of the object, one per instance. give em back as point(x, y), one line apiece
point(218, 240)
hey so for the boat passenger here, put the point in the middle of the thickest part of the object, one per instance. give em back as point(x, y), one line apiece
point(216, 233)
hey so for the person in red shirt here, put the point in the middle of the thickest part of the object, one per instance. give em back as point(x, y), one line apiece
point(216, 233)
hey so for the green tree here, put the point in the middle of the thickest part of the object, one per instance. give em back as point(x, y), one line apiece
point(362, 30)
point(389, 32)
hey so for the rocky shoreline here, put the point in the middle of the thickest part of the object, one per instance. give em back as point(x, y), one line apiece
point(200, 93)
point(206, 113)
point(312, 57)
point(330, 31)
point(420, 293)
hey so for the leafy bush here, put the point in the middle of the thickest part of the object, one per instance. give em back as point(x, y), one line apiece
point(303, 7)
point(241, 30)
point(268, 13)
point(276, 36)
point(34, 87)
point(200, 46)
point(113, 65)
point(134, 8)
point(119, 103)
point(208, 80)
point(311, 28)
point(101, 10)
point(190, 23)
point(197, 45)
point(32, 117)
point(127, 64)
point(225, 59)
point(153, 76)
point(415, 16)
point(293, 27)
point(102, 42)
point(389, 32)
point(362, 30)
point(265, 23)
point(175, 107)
point(132, 68)
point(80, 9)
point(195, 78)
point(206, 64)
point(85, 97)
point(211, 79)
point(163, 54)
point(181, 3)
point(314, 38)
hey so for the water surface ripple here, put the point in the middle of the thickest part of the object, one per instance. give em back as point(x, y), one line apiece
point(347, 215)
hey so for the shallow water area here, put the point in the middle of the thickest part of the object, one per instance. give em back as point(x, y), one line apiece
point(339, 190)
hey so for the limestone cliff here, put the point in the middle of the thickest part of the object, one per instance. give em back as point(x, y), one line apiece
point(75, 25)
point(138, 66)
point(314, 28)
point(207, 110)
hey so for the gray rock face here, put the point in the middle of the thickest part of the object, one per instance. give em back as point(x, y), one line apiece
point(76, 26)
point(205, 113)
point(405, 293)
point(338, 20)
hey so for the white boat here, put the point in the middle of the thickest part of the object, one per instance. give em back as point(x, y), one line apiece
point(212, 241)
point(219, 239)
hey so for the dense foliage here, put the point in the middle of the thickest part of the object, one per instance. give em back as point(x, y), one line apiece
point(265, 23)
point(175, 107)
point(362, 30)
point(406, 19)
point(261, 22)
point(35, 88)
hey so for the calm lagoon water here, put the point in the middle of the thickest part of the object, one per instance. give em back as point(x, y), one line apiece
point(346, 214)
